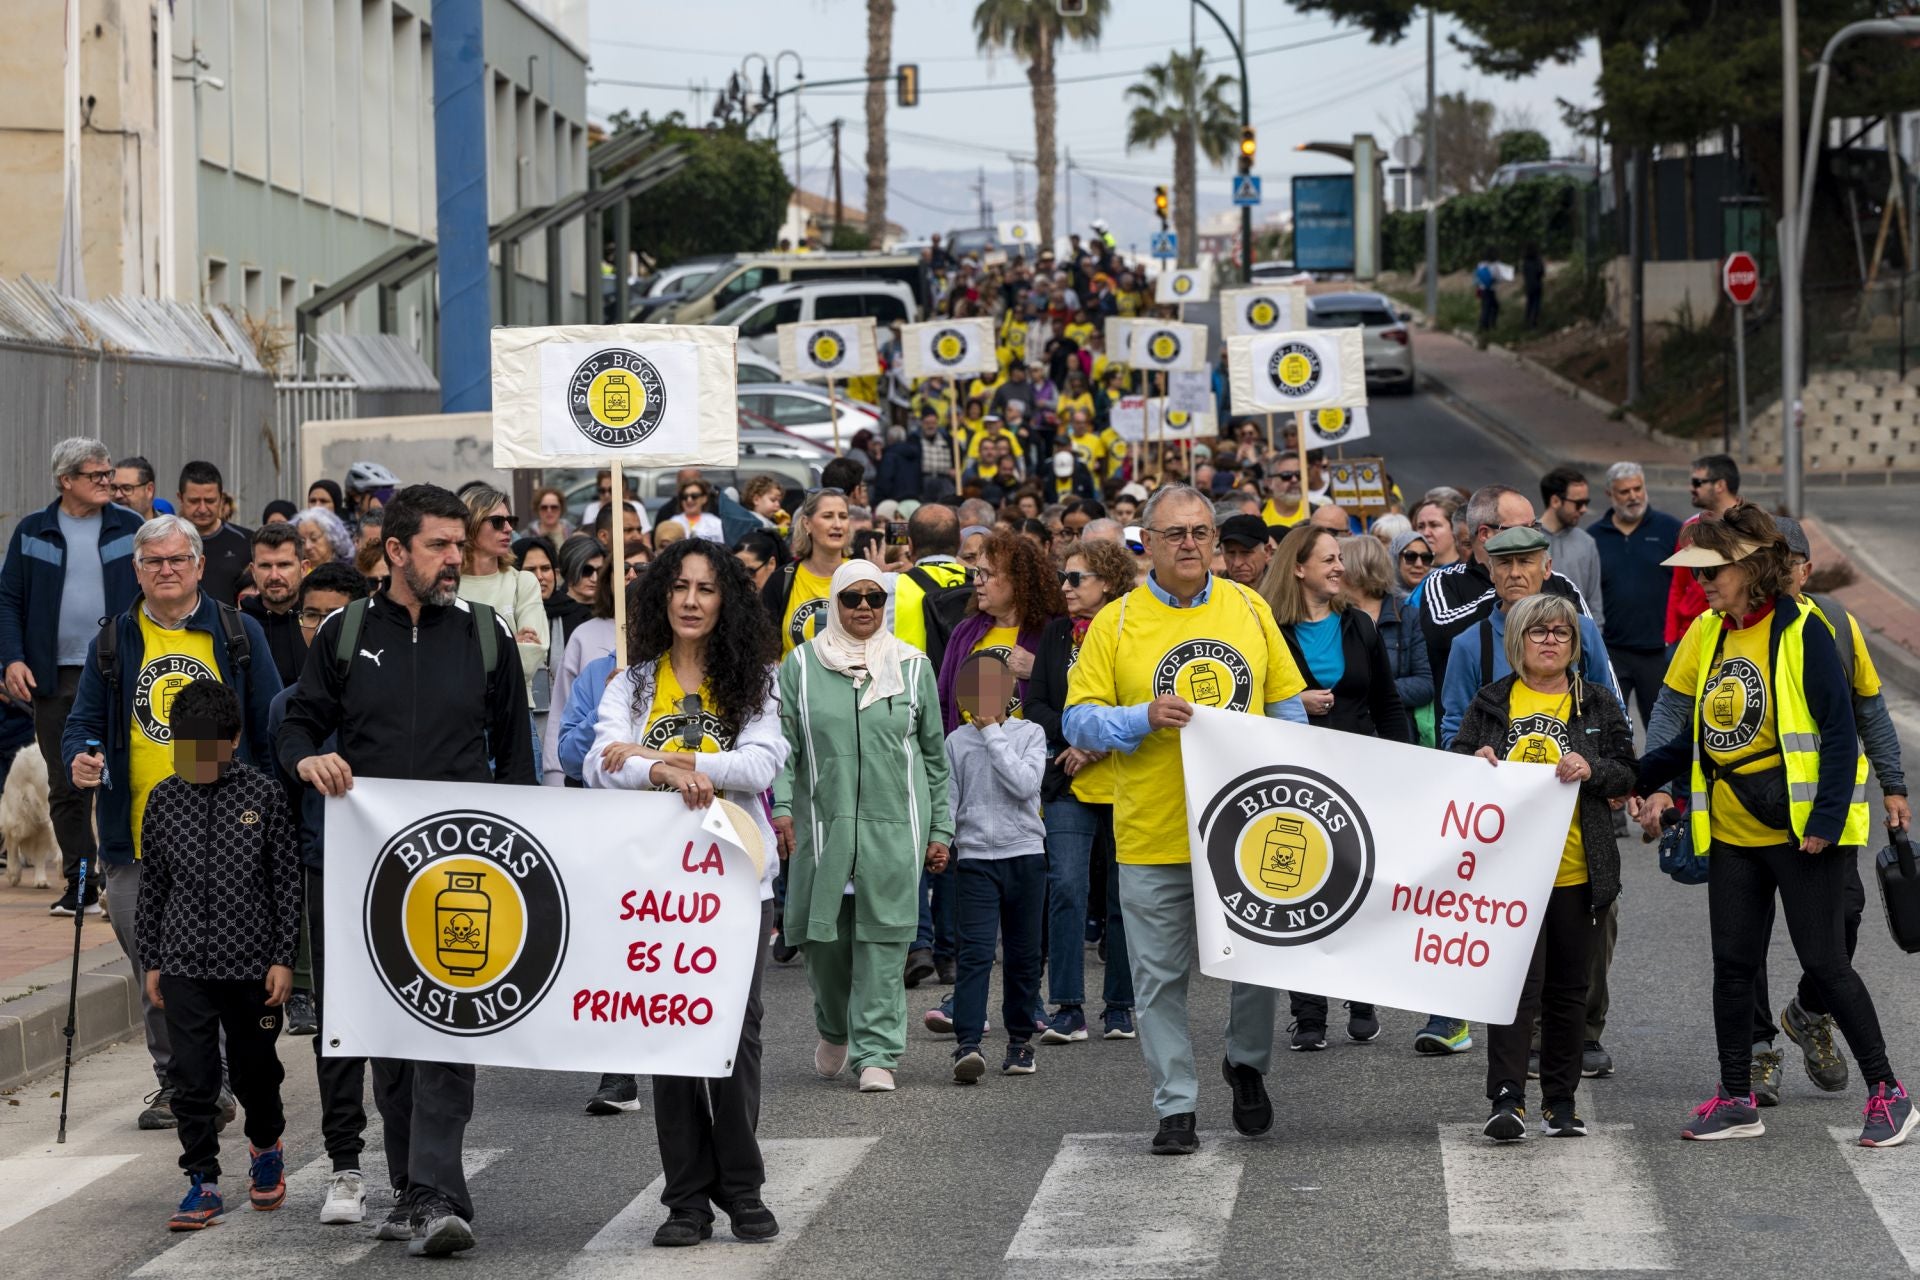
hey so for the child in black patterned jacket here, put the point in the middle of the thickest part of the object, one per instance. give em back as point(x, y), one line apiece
point(219, 916)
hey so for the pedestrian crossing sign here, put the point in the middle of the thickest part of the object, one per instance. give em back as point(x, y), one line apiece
point(1246, 189)
point(1166, 244)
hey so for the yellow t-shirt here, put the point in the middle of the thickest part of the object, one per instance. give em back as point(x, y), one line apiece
point(1093, 784)
point(1080, 333)
point(1065, 406)
point(1000, 433)
point(1225, 653)
point(1736, 717)
point(982, 389)
point(1003, 641)
point(169, 661)
point(940, 402)
point(910, 599)
point(1866, 676)
point(1271, 514)
point(668, 717)
point(1116, 447)
point(805, 607)
point(1537, 734)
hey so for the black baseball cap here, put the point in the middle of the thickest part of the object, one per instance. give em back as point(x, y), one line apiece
point(1244, 530)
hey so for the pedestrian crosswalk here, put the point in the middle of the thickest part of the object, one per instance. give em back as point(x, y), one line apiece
point(1889, 1187)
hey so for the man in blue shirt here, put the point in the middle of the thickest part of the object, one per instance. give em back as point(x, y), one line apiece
point(1633, 539)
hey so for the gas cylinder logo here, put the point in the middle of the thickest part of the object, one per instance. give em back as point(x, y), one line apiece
point(1537, 739)
point(616, 397)
point(1735, 706)
point(1183, 284)
point(466, 921)
point(1291, 854)
point(1164, 345)
point(1332, 423)
point(160, 681)
point(1206, 673)
point(1294, 370)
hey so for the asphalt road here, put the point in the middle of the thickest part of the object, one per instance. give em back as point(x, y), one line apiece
point(1374, 1167)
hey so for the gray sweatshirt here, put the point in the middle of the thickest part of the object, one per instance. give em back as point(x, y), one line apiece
point(1577, 556)
point(994, 784)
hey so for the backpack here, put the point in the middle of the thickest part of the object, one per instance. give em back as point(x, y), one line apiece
point(355, 617)
point(106, 648)
point(943, 608)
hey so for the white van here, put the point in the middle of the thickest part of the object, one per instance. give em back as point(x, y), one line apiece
point(760, 314)
point(749, 272)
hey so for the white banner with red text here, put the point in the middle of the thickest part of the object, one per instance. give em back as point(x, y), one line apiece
point(534, 927)
point(1373, 871)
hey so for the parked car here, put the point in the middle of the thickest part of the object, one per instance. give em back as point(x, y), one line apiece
point(746, 273)
point(1525, 170)
point(1386, 344)
point(1268, 272)
point(764, 450)
point(804, 410)
point(750, 366)
point(760, 314)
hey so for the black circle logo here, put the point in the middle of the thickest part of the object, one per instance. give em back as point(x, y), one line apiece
point(1294, 370)
point(1183, 284)
point(1537, 739)
point(949, 347)
point(826, 350)
point(162, 678)
point(1164, 345)
point(1206, 673)
point(1292, 856)
point(466, 921)
point(1332, 423)
point(616, 397)
point(1733, 707)
point(799, 627)
point(1262, 313)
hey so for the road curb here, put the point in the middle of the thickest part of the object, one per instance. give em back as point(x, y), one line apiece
point(33, 1028)
point(1895, 662)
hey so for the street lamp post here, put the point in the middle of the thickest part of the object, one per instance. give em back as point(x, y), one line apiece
point(1246, 121)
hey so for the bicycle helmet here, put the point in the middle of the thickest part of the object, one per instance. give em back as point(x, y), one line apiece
point(364, 477)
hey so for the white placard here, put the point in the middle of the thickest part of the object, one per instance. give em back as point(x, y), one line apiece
point(1168, 345)
point(650, 395)
point(1260, 309)
point(1183, 284)
point(1191, 391)
point(1325, 428)
point(1014, 234)
point(836, 349)
point(562, 930)
point(1167, 421)
point(1118, 331)
point(1300, 369)
point(1380, 872)
point(1128, 418)
point(943, 348)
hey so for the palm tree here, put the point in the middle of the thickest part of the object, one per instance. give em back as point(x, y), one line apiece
point(1033, 30)
point(879, 61)
point(1177, 101)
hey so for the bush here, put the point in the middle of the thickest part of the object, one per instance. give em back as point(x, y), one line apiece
point(1543, 212)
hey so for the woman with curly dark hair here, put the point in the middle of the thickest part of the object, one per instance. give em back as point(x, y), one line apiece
point(695, 714)
point(1016, 593)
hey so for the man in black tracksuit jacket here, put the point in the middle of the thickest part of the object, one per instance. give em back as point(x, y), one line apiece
point(415, 700)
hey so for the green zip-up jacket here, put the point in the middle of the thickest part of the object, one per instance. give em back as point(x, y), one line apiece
point(867, 792)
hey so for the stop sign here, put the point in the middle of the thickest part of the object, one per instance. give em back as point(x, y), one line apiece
point(1740, 277)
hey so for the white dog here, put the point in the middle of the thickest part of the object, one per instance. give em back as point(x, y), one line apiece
point(25, 821)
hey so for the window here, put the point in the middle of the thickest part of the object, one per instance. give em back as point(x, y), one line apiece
point(746, 282)
point(1349, 317)
point(253, 291)
point(883, 307)
point(289, 299)
point(216, 282)
point(770, 317)
point(790, 410)
point(758, 373)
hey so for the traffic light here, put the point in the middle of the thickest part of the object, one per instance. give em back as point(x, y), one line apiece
point(1071, 8)
point(1160, 204)
point(1247, 146)
point(907, 84)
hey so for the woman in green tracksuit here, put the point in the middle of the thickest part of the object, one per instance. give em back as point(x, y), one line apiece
point(860, 805)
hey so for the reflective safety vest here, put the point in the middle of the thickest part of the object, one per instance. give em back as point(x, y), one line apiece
point(1798, 733)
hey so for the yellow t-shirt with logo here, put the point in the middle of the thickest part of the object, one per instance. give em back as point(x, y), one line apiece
point(1003, 641)
point(1537, 734)
point(1116, 446)
point(1065, 405)
point(668, 717)
point(1226, 653)
point(997, 433)
point(169, 661)
point(806, 604)
point(1080, 333)
point(981, 389)
point(1736, 718)
point(1091, 450)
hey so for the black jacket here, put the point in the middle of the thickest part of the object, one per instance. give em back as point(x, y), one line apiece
point(220, 884)
point(415, 702)
point(1366, 700)
point(1046, 701)
point(1601, 735)
point(1459, 595)
point(285, 644)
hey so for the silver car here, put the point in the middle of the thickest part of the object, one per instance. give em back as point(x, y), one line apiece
point(1387, 344)
point(805, 410)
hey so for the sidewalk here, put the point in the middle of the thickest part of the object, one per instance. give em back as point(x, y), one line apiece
point(36, 957)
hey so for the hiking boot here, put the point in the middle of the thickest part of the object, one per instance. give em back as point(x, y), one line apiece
point(1766, 1078)
point(1252, 1108)
point(1177, 1136)
point(1723, 1117)
point(159, 1112)
point(1890, 1117)
point(1508, 1122)
point(919, 967)
point(616, 1093)
point(1813, 1033)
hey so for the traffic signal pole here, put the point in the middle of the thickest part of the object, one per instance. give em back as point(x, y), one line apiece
point(1246, 122)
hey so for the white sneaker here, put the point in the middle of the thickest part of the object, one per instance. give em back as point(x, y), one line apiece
point(346, 1199)
point(876, 1080)
point(829, 1060)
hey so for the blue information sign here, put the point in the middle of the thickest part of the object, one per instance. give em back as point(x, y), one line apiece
point(1323, 222)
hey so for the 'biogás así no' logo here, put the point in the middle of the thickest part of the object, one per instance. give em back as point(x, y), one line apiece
point(466, 921)
point(161, 679)
point(1291, 854)
point(949, 346)
point(1262, 313)
point(1332, 423)
point(826, 350)
point(616, 397)
point(1294, 370)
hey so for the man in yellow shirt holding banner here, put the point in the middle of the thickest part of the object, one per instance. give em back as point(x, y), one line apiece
point(1184, 637)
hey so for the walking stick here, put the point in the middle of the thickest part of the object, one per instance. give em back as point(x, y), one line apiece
point(73, 978)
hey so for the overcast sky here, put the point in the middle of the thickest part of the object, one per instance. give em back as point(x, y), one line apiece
point(976, 111)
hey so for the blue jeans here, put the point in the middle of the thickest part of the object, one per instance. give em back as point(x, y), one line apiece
point(1077, 833)
point(1001, 897)
point(936, 915)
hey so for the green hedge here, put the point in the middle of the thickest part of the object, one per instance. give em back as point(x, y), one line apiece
point(1543, 211)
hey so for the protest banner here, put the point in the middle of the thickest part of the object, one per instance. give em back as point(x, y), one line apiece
point(829, 349)
point(1359, 486)
point(1118, 331)
point(1271, 308)
point(1381, 872)
point(1019, 234)
point(1190, 391)
point(535, 927)
point(943, 348)
point(1298, 369)
point(1325, 428)
point(1183, 284)
point(1167, 345)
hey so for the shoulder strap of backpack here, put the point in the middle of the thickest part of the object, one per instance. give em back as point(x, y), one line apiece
point(927, 585)
point(235, 633)
point(787, 572)
point(348, 638)
point(1486, 651)
point(106, 651)
point(486, 627)
point(1842, 623)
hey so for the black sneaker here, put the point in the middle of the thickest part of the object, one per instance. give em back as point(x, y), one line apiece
point(1308, 1037)
point(439, 1231)
point(1595, 1062)
point(683, 1227)
point(617, 1093)
point(1177, 1136)
point(66, 904)
point(751, 1220)
point(398, 1224)
point(1252, 1108)
point(968, 1064)
point(1363, 1023)
point(919, 967)
point(1766, 1078)
point(1560, 1120)
point(1508, 1123)
point(784, 951)
point(945, 971)
point(302, 1020)
point(159, 1112)
point(1019, 1060)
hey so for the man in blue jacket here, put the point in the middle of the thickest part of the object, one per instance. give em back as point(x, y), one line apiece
point(173, 634)
point(67, 568)
point(1633, 539)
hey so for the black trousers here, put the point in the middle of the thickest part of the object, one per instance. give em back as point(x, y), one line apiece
point(72, 809)
point(343, 1081)
point(1556, 993)
point(198, 1010)
point(1640, 673)
point(1812, 999)
point(425, 1107)
point(1741, 886)
point(709, 1154)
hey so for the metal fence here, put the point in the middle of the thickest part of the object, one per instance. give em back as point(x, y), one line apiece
point(356, 376)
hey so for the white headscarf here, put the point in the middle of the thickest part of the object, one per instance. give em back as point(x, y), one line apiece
point(872, 664)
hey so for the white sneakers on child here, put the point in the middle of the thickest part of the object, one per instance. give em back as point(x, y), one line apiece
point(346, 1199)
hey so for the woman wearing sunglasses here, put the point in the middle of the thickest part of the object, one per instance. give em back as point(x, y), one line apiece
point(491, 577)
point(859, 808)
point(550, 518)
point(692, 513)
point(1411, 556)
point(1777, 781)
point(695, 715)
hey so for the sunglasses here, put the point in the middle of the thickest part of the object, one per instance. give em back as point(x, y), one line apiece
point(502, 524)
point(692, 493)
point(690, 736)
point(1707, 572)
point(1288, 475)
point(858, 599)
point(1074, 577)
point(1698, 482)
point(1578, 504)
point(1416, 557)
point(591, 571)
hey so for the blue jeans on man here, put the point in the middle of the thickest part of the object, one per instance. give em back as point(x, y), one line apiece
point(1077, 833)
point(1001, 898)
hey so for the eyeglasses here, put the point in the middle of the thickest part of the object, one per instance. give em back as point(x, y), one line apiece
point(549, 506)
point(1075, 577)
point(122, 490)
point(857, 599)
point(311, 618)
point(98, 477)
point(1201, 535)
point(1542, 634)
point(168, 564)
point(502, 524)
point(591, 571)
point(605, 489)
point(1707, 572)
point(1416, 557)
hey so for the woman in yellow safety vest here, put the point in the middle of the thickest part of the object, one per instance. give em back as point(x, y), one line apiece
point(1777, 782)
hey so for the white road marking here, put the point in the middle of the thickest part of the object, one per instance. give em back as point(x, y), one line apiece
point(1503, 1217)
point(1128, 1212)
point(291, 1239)
point(1889, 1186)
point(802, 1175)
point(29, 1184)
